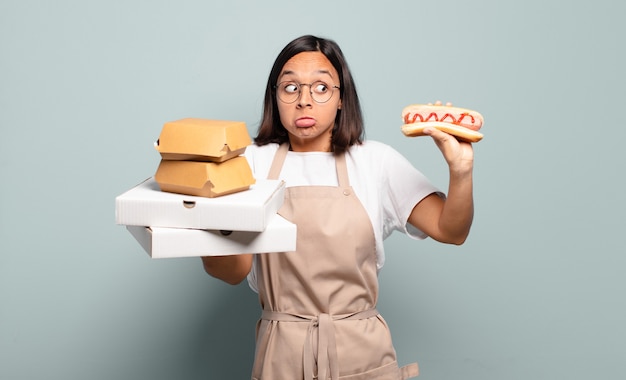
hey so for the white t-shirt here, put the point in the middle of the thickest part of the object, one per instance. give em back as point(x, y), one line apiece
point(385, 182)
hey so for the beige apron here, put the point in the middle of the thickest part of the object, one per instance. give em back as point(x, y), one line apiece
point(319, 319)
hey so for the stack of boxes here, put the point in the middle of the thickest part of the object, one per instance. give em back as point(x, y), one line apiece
point(203, 157)
point(203, 199)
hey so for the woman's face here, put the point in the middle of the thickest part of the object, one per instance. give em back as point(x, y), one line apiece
point(309, 123)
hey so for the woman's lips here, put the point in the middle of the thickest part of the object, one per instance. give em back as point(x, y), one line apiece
point(305, 122)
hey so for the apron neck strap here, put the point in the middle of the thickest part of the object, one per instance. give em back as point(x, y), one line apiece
point(279, 158)
point(342, 170)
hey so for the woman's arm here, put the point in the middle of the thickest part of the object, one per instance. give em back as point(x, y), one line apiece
point(449, 220)
point(231, 269)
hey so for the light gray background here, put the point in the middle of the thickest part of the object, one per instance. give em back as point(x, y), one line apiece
point(85, 86)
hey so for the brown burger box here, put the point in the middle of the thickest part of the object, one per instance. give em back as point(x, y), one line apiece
point(195, 139)
point(205, 179)
point(159, 242)
point(250, 210)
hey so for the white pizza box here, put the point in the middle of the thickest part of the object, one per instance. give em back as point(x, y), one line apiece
point(248, 210)
point(160, 242)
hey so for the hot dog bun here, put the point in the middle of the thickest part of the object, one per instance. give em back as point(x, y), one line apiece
point(460, 122)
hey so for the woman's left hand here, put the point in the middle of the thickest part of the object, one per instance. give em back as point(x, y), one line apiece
point(458, 154)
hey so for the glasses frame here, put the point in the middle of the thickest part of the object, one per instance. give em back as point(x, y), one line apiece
point(299, 85)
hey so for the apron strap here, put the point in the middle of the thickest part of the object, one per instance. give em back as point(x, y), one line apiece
point(277, 163)
point(409, 371)
point(326, 345)
point(342, 171)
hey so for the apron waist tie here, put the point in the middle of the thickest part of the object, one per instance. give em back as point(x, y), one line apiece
point(326, 345)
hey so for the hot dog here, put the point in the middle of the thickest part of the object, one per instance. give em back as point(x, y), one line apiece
point(460, 122)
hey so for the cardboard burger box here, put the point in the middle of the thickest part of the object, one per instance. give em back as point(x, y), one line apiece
point(205, 179)
point(194, 139)
point(249, 210)
point(158, 242)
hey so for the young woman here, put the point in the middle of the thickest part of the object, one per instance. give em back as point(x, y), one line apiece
point(319, 318)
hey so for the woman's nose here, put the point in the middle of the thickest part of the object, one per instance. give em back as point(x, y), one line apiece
point(305, 99)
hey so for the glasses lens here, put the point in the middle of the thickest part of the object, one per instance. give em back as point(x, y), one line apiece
point(321, 92)
point(288, 92)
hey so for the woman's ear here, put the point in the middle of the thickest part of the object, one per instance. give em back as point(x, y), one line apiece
point(339, 105)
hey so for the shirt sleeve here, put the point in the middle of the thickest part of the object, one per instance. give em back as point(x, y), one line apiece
point(404, 187)
point(252, 276)
point(260, 158)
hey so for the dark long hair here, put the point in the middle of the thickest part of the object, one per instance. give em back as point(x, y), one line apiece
point(348, 129)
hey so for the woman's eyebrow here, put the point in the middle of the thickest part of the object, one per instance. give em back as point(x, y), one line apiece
point(291, 72)
point(327, 72)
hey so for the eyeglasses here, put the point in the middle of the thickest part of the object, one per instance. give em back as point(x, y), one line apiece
point(288, 92)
